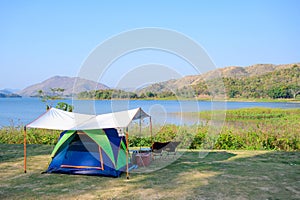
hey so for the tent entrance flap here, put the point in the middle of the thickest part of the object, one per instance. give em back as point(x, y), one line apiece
point(65, 136)
point(82, 152)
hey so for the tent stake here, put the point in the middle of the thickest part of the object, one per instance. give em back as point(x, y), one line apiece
point(24, 149)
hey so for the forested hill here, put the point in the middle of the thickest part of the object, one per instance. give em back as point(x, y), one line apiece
point(234, 72)
point(257, 81)
point(283, 83)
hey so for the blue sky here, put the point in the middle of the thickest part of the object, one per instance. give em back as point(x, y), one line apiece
point(41, 39)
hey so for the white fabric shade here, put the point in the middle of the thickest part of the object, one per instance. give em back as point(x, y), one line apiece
point(61, 120)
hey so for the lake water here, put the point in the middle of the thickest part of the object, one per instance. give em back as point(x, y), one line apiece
point(20, 111)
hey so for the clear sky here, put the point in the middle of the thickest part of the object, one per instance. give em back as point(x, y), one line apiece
point(41, 39)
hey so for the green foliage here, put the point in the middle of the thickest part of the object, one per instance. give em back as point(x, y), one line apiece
point(64, 106)
point(150, 94)
point(107, 94)
point(284, 83)
point(228, 140)
point(280, 92)
point(166, 133)
point(199, 139)
point(135, 141)
point(56, 93)
point(15, 135)
point(250, 129)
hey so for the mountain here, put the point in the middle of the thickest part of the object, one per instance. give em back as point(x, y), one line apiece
point(227, 72)
point(7, 93)
point(64, 82)
point(10, 90)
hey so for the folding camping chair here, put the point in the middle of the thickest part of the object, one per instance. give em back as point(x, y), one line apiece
point(157, 149)
point(170, 148)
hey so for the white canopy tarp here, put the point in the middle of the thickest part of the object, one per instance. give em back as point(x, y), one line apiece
point(61, 120)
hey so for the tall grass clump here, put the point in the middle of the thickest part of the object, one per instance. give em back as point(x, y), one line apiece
point(15, 135)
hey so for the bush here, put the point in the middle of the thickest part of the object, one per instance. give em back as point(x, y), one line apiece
point(13, 135)
point(135, 141)
point(229, 141)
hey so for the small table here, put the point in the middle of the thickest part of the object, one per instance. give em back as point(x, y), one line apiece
point(145, 150)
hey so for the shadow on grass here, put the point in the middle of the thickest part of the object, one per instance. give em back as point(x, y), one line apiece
point(11, 152)
point(221, 175)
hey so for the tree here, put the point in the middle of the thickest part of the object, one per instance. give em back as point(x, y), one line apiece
point(56, 94)
point(64, 106)
point(295, 90)
point(150, 94)
point(233, 93)
point(279, 92)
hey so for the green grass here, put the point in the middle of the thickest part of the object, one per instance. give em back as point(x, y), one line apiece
point(297, 100)
point(195, 175)
point(251, 113)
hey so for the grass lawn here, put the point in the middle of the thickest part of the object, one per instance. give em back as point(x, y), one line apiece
point(218, 175)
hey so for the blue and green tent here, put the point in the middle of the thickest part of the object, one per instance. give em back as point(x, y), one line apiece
point(89, 144)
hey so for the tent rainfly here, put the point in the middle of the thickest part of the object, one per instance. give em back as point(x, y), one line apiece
point(89, 144)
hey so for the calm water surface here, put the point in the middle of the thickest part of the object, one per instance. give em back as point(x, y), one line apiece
point(20, 111)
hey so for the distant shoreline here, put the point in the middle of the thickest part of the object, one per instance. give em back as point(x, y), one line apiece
point(172, 99)
point(199, 99)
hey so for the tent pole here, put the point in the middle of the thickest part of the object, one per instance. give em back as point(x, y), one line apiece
point(25, 149)
point(127, 156)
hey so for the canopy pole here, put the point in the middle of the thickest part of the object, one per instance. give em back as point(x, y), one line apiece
point(25, 149)
point(140, 125)
point(127, 156)
point(151, 139)
point(151, 131)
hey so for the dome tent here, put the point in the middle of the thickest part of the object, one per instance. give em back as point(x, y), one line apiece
point(90, 144)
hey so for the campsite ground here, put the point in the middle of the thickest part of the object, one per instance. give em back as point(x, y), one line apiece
point(217, 175)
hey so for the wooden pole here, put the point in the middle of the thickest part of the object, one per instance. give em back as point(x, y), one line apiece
point(127, 156)
point(25, 149)
point(151, 130)
point(140, 128)
point(151, 139)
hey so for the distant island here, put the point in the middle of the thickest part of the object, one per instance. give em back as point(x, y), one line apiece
point(8, 94)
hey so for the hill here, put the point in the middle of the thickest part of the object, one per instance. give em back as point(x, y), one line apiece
point(5, 93)
point(256, 81)
point(64, 82)
point(235, 72)
point(280, 83)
